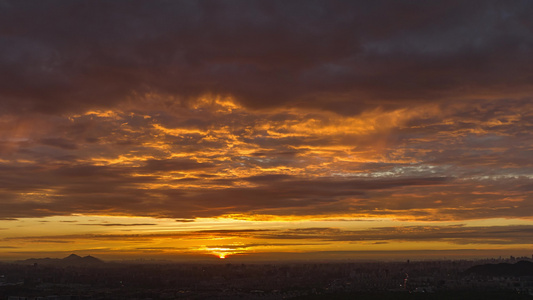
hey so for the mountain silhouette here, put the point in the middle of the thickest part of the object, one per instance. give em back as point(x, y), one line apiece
point(76, 259)
point(72, 257)
point(71, 260)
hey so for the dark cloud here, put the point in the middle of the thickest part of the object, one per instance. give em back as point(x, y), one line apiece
point(184, 220)
point(200, 234)
point(51, 241)
point(389, 190)
point(459, 234)
point(456, 234)
point(138, 188)
point(268, 178)
point(253, 245)
point(160, 248)
point(65, 56)
point(59, 142)
point(118, 224)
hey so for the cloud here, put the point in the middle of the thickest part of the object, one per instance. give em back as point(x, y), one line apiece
point(199, 234)
point(154, 165)
point(327, 55)
point(159, 248)
point(455, 234)
point(59, 142)
point(204, 109)
point(117, 224)
point(184, 220)
point(258, 245)
point(51, 241)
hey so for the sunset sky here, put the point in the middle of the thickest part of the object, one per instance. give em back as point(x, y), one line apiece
point(266, 130)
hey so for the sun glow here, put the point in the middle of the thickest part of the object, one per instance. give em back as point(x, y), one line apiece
point(223, 254)
point(220, 252)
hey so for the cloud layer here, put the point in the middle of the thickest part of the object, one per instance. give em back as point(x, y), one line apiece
point(455, 234)
point(266, 108)
point(342, 56)
point(213, 158)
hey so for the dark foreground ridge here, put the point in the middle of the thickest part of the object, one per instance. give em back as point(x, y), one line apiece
point(76, 278)
point(519, 269)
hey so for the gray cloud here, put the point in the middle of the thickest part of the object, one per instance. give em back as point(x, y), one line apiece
point(343, 56)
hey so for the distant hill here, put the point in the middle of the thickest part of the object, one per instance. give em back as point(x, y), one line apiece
point(521, 268)
point(71, 260)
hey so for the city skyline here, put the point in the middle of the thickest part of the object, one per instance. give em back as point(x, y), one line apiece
point(266, 130)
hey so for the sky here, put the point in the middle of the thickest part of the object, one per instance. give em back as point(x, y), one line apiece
point(266, 130)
